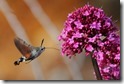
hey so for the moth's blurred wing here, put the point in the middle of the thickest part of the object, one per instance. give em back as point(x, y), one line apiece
point(23, 47)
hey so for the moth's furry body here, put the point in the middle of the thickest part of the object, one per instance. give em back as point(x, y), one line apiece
point(29, 52)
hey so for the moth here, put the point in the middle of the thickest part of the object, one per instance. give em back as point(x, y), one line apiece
point(28, 52)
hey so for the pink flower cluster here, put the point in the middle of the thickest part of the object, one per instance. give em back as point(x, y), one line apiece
point(90, 29)
point(107, 55)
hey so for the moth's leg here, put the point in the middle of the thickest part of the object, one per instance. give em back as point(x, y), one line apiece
point(28, 61)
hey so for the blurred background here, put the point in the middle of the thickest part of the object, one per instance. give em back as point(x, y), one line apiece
point(33, 20)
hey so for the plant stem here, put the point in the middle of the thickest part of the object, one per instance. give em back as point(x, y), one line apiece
point(96, 69)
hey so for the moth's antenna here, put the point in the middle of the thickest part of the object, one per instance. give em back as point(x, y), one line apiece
point(51, 48)
point(42, 42)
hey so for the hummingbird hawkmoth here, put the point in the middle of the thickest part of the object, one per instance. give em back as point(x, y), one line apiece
point(28, 52)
